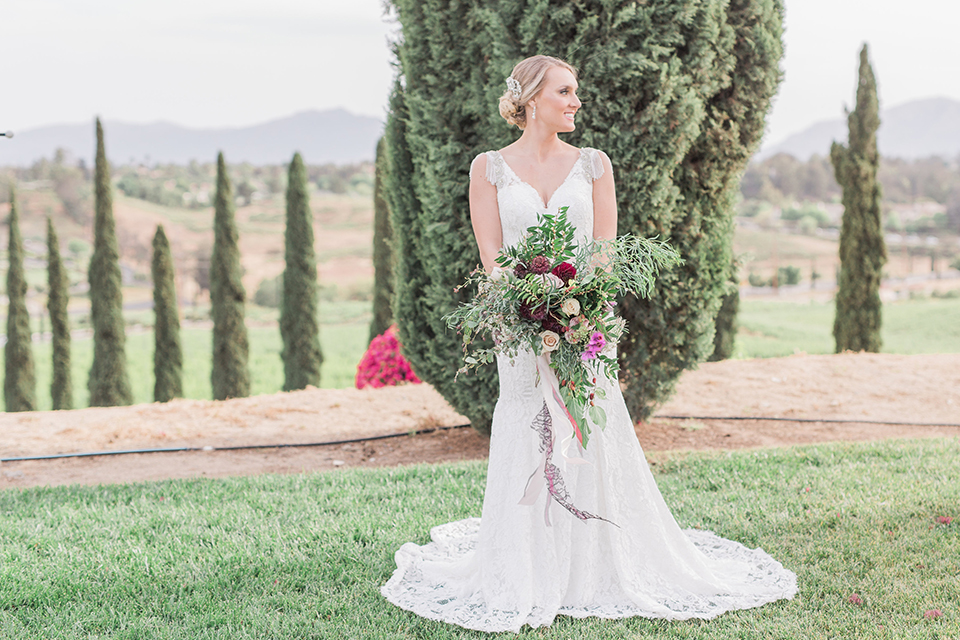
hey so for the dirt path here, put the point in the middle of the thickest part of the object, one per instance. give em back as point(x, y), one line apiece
point(892, 388)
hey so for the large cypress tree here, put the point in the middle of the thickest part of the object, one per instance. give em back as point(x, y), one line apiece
point(61, 388)
point(108, 383)
point(382, 251)
point(19, 377)
point(167, 354)
point(675, 92)
point(299, 322)
point(230, 375)
point(863, 253)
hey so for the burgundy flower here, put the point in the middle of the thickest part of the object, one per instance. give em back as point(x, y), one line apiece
point(531, 312)
point(550, 324)
point(565, 271)
point(520, 270)
point(539, 265)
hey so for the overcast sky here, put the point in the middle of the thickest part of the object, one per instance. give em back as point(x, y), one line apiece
point(208, 63)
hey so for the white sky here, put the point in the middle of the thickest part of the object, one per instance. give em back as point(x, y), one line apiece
point(208, 63)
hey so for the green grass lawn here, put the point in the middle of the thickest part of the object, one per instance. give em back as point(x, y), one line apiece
point(777, 328)
point(303, 556)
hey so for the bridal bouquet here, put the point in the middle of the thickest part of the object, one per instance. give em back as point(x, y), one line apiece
point(557, 298)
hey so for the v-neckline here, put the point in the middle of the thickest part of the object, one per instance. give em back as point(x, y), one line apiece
point(546, 205)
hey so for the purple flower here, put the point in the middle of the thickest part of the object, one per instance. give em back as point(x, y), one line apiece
point(596, 344)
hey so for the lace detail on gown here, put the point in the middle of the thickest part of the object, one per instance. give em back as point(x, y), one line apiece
point(508, 568)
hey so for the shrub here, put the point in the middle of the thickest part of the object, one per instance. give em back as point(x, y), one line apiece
point(268, 293)
point(383, 364)
point(788, 275)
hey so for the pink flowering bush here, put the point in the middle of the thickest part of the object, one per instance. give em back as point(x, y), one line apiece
point(383, 365)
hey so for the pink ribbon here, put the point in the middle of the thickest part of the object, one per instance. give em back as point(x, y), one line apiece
point(547, 474)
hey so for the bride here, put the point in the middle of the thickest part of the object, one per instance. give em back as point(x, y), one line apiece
point(599, 540)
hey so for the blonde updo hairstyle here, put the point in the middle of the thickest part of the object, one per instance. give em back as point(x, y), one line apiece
point(530, 73)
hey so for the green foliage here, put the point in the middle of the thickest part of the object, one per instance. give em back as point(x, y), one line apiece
point(303, 555)
point(299, 326)
point(230, 375)
point(61, 387)
point(108, 382)
point(675, 93)
point(19, 378)
point(382, 248)
point(269, 292)
point(862, 249)
point(725, 332)
point(807, 210)
point(167, 354)
point(788, 275)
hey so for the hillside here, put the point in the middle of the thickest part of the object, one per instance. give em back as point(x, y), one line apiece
point(917, 129)
point(334, 136)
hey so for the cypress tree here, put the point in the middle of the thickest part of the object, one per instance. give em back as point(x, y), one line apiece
point(61, 389)
point(382, 252)
point(108, 383)
point(167, 354)
point(675, 92)
point(230, 375)
point(856, 325)
point(19, 377)
point(299, 322)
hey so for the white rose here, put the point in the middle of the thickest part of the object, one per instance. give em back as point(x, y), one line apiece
point(549, 340)
point(570, 306)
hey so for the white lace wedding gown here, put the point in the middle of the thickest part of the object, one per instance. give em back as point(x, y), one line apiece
point(509, 567)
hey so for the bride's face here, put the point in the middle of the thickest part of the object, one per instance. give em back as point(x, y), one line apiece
point(557, 103)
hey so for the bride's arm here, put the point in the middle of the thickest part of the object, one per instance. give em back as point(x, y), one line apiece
point(604, 208)
point(604, 203)
point(485, 215)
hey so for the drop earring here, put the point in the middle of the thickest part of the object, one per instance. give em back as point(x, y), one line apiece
point(534, 111)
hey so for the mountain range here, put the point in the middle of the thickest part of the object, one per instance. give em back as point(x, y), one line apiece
point(917, 129)
point(321, 137)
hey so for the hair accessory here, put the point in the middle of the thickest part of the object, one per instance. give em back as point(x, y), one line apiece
point(514, 85)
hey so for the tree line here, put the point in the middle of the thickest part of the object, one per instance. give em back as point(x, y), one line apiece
point(108, 382)
point(783, 179)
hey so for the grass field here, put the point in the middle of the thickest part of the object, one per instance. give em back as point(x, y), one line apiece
point(303, 556)
point(776, 328)
point(344, 330)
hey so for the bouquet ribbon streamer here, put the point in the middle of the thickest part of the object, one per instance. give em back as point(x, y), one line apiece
point(547, 474)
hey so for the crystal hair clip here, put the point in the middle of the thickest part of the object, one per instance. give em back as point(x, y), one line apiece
point(514, 85)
